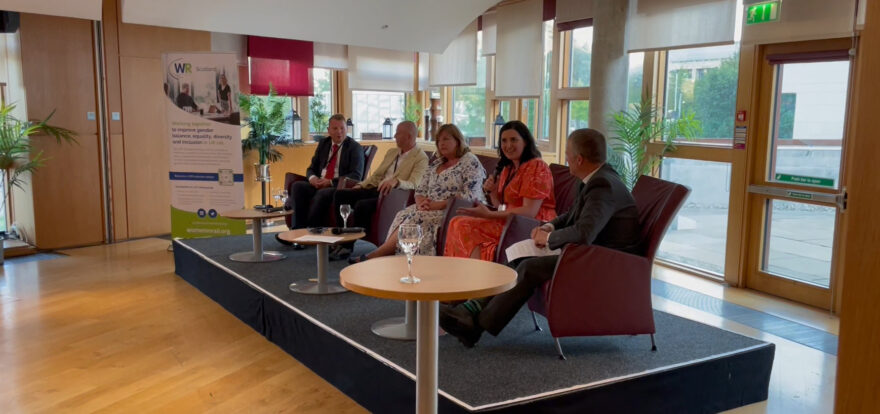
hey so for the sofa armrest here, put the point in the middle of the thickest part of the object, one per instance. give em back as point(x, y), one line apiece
point(516, 229)
point(600, 291)
point(450, 211)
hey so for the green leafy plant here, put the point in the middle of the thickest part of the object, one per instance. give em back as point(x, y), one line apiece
point(16, 160)
point(268, 121)
point(319, 116)
point(413, 111)
point(636, 127)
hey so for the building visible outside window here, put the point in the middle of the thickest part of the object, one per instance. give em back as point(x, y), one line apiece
point(321, 104)
point(469, 102)
point(703, 81)
point(370, 108)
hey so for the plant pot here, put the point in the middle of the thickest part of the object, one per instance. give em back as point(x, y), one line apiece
point(262, 172)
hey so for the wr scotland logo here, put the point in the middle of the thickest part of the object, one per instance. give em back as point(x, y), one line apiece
point(179, 68)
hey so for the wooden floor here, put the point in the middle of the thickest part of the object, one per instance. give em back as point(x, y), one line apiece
point(112, 329)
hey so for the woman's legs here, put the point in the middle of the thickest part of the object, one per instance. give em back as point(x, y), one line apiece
point(475, 254)
point(385, 249)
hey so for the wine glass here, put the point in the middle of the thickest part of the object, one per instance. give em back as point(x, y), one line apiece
point(344, 211)
point(408, 237)
point(277, 197)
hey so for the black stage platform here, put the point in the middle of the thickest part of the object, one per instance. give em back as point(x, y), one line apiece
point(696, 369)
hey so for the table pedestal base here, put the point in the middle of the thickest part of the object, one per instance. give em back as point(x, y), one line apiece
point(312, 288)
point(321, 287)
point(251, 257)
point(402, 327)
point(426, 357)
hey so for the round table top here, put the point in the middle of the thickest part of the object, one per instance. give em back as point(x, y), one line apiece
point(249, 213)
point(443, 278)
point(292, 235)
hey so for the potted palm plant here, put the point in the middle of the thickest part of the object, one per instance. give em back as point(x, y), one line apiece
point(16, 159)
point(268, 119)
point(634, 128)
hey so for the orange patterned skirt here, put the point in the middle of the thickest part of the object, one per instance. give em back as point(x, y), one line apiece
point(467, 233)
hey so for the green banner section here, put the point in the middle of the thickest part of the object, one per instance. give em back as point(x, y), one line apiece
point(188, 225)
point(762, 12)
point(803, 179)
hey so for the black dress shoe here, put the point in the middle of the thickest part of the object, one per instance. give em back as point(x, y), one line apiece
point(339, 253)
point(458, 322)
point(282, 241)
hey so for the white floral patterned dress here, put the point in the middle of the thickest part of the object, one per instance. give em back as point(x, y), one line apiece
point(462, 180)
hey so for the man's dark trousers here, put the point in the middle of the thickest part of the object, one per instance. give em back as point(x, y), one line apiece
point(531, 274)
point(310, 205)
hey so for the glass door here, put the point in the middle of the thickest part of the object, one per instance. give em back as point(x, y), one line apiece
point(796, 190)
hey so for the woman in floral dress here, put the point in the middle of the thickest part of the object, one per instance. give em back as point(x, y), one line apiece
point(456, 173)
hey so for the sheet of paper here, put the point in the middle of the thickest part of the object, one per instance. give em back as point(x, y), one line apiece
point(318, 239)
point(527, 248)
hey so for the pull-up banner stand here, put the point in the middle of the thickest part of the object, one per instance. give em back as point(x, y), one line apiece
point(204, 134)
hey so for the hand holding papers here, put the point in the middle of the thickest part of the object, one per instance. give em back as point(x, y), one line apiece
point(527, 248)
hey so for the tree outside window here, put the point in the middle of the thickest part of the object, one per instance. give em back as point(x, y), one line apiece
point(469, 102)
point(703, 81)
point(321, 103)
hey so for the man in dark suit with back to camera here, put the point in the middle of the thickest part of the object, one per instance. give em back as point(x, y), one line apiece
point(336, 156)
point(604, 213)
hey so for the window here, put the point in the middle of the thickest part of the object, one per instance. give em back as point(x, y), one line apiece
point(545, 94)
point(580, 57)
point(634, 78)
point(697, 237)
point(578, 115)
point(469, 102)
point(370, 108)
point(702, 81)
point(529, 113)
point(321, 104)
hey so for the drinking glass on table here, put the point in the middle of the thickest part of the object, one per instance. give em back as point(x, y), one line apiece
point(344, 211)
point(408, 237)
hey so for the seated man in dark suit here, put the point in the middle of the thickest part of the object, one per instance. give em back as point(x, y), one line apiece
point(604, 213)
point(336, 156)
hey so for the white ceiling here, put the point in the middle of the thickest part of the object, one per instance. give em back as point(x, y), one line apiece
point(81, 9)
point(412, 25)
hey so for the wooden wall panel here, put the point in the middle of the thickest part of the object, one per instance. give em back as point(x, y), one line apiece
point(58, 68)
point(858, 359)
point(146, 147)
point(137, 40)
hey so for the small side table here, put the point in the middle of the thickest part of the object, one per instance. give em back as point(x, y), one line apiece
point(321, 286)
point(443, 278)
point(257, 255)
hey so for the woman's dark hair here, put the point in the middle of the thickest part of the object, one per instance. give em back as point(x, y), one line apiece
point(530, 151)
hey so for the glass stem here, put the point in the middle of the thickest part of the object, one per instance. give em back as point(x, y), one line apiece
point(409, 258)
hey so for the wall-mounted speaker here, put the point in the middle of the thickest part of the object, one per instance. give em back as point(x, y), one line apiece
point(8, 22)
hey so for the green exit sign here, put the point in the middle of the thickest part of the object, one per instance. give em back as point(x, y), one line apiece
point(762, 12)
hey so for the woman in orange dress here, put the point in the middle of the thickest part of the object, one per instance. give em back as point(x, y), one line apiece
point(522, 184)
